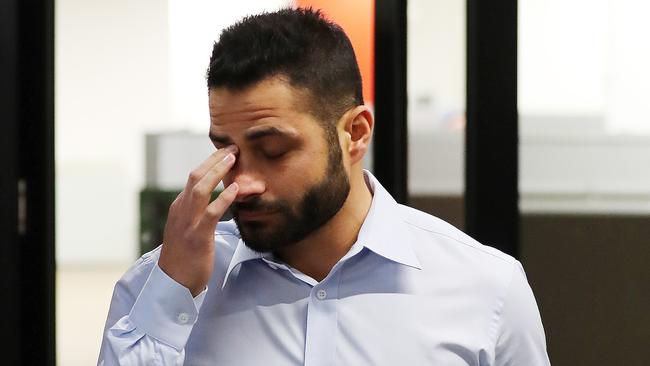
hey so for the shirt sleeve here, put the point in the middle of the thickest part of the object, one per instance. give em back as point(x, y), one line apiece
point(153, 327)
point(520, 339)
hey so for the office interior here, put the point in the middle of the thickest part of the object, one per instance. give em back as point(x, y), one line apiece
point(128, 119)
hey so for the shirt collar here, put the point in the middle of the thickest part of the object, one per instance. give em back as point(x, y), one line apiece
point(242, 254)
point(383, 231)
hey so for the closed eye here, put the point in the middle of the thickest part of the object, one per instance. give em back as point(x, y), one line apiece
point(274, 155)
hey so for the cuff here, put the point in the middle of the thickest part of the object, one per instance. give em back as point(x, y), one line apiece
point(165, 309)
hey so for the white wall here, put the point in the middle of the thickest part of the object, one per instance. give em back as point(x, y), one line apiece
point(586, 58)
point(112, 84)
point(436, 64)
point(193, 28)
point(629, 73)
point(562, 56)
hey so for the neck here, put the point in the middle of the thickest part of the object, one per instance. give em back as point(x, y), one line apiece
point(320, 251)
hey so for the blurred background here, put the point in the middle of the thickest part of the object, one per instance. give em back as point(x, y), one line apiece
point(131, 121)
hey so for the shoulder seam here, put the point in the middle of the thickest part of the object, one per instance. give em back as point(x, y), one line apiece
point(459, 241)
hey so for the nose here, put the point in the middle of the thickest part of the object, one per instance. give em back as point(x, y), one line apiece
point(250, 183)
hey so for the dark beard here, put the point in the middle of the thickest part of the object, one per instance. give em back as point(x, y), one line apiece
point(319, 204)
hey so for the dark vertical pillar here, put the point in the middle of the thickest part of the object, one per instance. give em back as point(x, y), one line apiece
point(491, 162)
point(390, 135)
point(9, 250)
point(27, 182)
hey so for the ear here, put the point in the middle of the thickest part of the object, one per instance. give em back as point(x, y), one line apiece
point(355, 130)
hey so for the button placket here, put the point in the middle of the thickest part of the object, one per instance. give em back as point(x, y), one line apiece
point(320, 341)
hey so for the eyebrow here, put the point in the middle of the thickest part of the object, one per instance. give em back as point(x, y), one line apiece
point(255, 134)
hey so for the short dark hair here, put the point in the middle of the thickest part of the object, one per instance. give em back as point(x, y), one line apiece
point(311, 51)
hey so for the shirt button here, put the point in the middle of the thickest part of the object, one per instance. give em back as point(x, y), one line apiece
point(183, 318)
point(321, 294)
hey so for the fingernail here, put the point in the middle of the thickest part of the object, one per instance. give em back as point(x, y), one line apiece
point(228, 158)
point(232, 148)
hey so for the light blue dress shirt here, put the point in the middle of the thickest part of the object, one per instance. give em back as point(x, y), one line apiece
point(412, 290)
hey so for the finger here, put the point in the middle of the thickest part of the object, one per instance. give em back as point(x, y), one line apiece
point(218, 207)
point(176, 202)
point(202, 191)
point(214, 158)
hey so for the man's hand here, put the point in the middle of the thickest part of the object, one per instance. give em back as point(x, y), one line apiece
point(187, 254)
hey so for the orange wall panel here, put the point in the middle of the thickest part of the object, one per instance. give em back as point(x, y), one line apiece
point(357, 19)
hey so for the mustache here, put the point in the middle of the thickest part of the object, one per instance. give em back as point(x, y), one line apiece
point(255, 204)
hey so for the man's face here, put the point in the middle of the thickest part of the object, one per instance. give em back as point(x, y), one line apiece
point(289, 168)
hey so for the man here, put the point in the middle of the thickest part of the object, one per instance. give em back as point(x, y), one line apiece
point(320, 265)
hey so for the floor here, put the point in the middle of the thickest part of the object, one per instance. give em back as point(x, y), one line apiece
point(83, 295)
